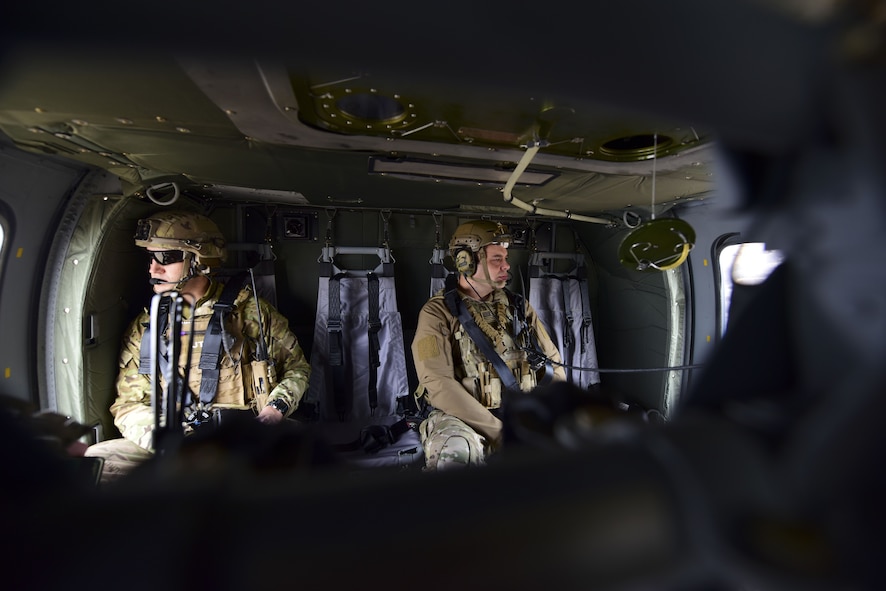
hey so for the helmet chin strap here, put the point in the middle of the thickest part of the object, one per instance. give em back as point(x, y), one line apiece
point(191, 266)
point(487, 280)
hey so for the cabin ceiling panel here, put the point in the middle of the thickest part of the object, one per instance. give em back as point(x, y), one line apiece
point(268, 126)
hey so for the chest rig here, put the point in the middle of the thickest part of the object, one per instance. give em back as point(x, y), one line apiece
point(509, 362)
point(221, 346)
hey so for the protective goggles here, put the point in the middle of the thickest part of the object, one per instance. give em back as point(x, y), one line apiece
point(167, 257)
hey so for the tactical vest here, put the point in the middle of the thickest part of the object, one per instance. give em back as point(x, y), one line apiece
point(477, 374)
point(234, 367)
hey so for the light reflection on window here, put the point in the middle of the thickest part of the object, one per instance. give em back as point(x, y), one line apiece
point(2, 243)
point(748, 263)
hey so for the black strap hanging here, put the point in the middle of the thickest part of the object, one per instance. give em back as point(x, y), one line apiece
point(585, 307)
point(568, 340)
point(341, 392)
point(374, 344)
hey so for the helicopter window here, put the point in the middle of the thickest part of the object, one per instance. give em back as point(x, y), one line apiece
point(747, 263)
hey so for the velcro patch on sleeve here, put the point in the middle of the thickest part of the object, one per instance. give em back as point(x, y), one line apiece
point(427, 348)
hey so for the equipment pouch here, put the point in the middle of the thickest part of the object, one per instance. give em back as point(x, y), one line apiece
point(262, 375)
point(492, 393)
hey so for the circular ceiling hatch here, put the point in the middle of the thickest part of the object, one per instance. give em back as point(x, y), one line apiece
point(361, 110)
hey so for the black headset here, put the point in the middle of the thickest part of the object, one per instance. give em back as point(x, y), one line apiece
point(465, 260)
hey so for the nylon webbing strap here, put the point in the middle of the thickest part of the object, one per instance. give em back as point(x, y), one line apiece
point(374, 345)
point(567, 313)
point(373, 438)
point(333, 321)
point(453, 302)
point(211, 356)
point(585, 311)
point(341, 395)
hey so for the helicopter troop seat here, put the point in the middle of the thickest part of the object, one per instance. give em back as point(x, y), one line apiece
point(359, 384)
point(560, 297)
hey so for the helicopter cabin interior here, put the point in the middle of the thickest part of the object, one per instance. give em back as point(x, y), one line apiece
point(663, 158)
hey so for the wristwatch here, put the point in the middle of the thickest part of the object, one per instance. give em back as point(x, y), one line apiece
point(280, 405)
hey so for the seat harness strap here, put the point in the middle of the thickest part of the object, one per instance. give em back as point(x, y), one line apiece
point(211, 356)
point(374, 344)
point(453, 302)
point(568, 341)
point(341, 393)
point(374, 438)
point(585, 306)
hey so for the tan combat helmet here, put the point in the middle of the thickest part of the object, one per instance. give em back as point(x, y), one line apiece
point(477, 234)
point(468, 240)
point(195, 234)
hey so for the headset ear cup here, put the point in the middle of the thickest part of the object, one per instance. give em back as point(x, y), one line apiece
point(465, 262)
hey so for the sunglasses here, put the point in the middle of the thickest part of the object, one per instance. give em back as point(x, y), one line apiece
point(167, 257)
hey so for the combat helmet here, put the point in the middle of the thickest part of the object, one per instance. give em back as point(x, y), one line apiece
point(477, 234)
point(195, 234)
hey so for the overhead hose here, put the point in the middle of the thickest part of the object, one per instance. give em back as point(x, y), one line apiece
point(533, 209)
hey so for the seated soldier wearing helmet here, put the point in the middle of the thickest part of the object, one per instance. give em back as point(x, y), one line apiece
point(466, 333)
point(184, 247)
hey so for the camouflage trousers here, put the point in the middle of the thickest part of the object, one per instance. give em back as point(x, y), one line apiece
point(120, 456)
point(449, 442)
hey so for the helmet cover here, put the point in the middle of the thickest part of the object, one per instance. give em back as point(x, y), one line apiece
point(186, 231)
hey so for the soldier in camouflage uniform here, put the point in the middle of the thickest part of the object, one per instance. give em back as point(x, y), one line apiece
point(184, 248)
point(456, 379)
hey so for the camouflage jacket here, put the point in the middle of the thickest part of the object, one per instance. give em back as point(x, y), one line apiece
point(132, 411)
point(455, 376)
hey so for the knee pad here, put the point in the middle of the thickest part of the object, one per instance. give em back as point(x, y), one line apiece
point(453, 451)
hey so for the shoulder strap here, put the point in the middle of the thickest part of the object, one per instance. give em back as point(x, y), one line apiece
point(210, 358)
point(453, 302)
